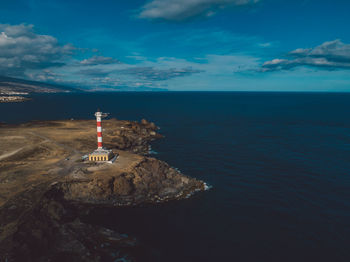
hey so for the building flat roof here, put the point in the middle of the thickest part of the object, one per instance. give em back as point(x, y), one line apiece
point(101, 152)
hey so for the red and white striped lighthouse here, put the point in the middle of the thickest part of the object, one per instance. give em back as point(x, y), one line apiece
point(99, 116)
point(99, 129)
point(101, 154)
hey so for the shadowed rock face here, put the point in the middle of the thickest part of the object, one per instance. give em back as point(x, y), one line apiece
point(52, 231)
point(45, 197)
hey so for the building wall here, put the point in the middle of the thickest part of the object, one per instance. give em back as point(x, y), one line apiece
point(100, 157)
point(93, 157)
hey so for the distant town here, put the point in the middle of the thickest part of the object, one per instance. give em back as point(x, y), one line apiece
point(19, 90)
point(12, 98)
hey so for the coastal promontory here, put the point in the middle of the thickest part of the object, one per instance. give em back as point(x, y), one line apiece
point(47, 185)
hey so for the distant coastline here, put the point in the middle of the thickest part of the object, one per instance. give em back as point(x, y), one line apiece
point(13, 99)
point(15, 86)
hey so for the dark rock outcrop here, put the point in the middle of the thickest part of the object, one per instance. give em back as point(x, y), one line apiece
point(151, 180)
point(133, 136)
point(52, 231)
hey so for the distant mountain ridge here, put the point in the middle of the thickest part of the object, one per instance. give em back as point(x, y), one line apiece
point(10, 85)
point(105, 88)
point(13, 86)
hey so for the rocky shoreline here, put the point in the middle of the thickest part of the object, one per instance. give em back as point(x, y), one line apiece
point(151, 181)
point(42, 222)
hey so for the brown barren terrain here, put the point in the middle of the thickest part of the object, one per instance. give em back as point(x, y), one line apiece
point(43, 178)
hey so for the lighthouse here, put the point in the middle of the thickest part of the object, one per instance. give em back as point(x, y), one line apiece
point(99, 116)
point(101, 154)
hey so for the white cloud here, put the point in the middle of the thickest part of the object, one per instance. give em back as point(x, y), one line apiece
point(329, 55)
point(22, 49)
point(179, 10)
point(154, 74)
point(45, 75)
point(264, 45)
point(99, 60)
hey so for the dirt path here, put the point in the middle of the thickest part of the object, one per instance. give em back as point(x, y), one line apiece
point(65, 166)
point(3, 156)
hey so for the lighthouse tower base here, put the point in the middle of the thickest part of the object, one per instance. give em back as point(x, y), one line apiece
point(101, 155)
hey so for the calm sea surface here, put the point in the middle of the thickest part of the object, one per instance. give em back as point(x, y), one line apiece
point(278, 163)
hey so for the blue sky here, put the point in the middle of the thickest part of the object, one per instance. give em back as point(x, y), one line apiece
point(187, 45)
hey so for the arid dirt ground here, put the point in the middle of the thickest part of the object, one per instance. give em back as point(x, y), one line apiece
point(39, 152)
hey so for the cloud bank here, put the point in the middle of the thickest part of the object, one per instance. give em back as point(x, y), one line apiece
point(329, 55)
point(180, 10)
point(27, 54)
point(99, 60)
point(22, 49)
point(153, 74)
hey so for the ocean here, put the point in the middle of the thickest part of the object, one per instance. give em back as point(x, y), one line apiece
point(278, 165)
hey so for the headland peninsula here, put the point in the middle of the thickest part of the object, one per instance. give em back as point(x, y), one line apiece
point(47, 185)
